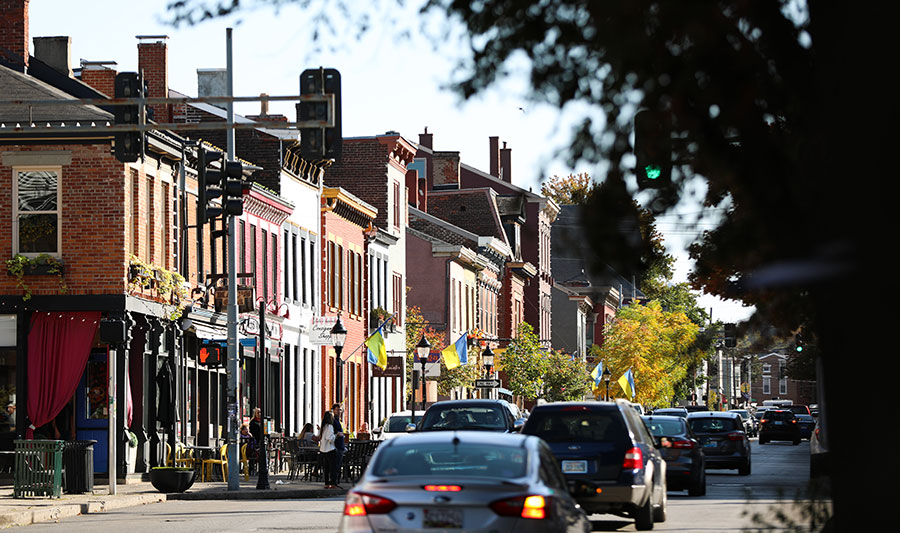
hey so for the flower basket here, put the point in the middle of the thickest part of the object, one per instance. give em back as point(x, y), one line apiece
point(172, 479)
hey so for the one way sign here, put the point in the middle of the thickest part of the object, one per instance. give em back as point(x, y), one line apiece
point(487, 383)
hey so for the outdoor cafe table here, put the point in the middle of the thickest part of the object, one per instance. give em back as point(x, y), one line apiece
point(200, 453)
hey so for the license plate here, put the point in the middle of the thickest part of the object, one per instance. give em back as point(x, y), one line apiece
point(710, 444)
point(443, 518)
point(574, 467)
point(777, 423)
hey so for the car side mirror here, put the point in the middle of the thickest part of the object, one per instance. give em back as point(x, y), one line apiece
point(410, 428)
point(376, 431)
point(518, 425)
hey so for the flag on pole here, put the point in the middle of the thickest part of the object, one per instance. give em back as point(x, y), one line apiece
point(627, 383)
point(456, 354)
point(597, 374)
point(377, 351)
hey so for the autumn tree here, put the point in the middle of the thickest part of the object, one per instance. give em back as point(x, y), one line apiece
point(574, 189)
point(654, 344)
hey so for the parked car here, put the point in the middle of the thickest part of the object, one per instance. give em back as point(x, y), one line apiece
point(608, 457)
point(750, 423)
point(799, 409)
point(722, 439)
point(486, 415)
point(695, 408)
point(779, 424)
point(671, 411)
point(465, 481)
point(819, 462)
point(396, 424)
point(681, 450)
point(807, 424)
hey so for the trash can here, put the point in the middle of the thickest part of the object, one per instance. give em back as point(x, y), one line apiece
point(78, 464)
point(38, 470)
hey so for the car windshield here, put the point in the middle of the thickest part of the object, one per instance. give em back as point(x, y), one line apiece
point(713, 425)
point(664, 428)
point(576, 426)
point(397, 424)
point(463, 417)
point(451, 460)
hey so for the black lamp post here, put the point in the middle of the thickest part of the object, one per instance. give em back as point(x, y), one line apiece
point(487, 359)
point(422, 350)
point(606, 375)
point(262, 481)
point(338, 338)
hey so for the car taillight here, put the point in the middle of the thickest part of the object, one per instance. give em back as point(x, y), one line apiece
point(362, 504)
point(634, 459)
point(534, 507)
point(736, 435)
point(764, 421)
point(683, 444)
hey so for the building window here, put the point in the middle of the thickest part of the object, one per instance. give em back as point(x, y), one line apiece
point(782, 386)
point(767, 368)
point(274, 267)
point(287, 278)
point(767, 385)
point(398, 299)
point(396, 205)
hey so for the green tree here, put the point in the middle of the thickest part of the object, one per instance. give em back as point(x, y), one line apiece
point(566, 378)
point(461, 376)
point(574, 189)
point(525, 364)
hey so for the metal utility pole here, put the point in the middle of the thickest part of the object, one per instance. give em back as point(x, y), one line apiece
point(233, 365)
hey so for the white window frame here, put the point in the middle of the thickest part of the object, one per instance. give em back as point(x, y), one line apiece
point(767, 385)
point(782, 386)
point(15, 208)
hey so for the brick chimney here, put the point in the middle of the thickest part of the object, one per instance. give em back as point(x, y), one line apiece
point(495, 155)
point(505, 164)
point(101, 75)
point(446, 170)
point(426, 139)
point(14, 34)
point(153, 60)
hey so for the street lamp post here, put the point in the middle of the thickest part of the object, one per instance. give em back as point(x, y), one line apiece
point(487, 359)
point(338, 338)
point(422, 350)
point(606, 375)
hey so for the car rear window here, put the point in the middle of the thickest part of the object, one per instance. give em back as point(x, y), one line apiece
point(780, 415)
point(576, 426)
point(459, 460)
point(463, 417)
point(398, 423)
point(664, 428)
point(714, 425)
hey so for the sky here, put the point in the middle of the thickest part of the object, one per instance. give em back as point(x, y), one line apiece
point(390, 81)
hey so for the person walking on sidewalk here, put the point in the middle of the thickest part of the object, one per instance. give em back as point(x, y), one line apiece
point(327, 449)
point(339, 446)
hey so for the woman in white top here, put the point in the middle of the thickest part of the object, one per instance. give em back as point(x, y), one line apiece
point(327, 450)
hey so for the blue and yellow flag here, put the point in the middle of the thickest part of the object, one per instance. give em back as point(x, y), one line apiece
point(627, 384)
point(597, 374)
point(456, 354)
point(377, 351)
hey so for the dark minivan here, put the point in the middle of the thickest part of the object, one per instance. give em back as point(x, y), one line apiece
point(609, 458)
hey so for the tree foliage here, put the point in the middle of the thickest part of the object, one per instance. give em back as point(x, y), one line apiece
point(655, 345)
point(574, 189)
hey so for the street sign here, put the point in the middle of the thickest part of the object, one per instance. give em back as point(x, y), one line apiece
point(487, 383)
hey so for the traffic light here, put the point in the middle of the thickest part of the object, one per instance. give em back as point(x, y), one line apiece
point(129, 145)
point(211, 353)
point(652, 149)
point(222, 183)
point(730, 335)
point(799, 342)
point(318, 141)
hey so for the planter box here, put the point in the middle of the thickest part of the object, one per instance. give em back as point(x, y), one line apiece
point(42, 269)
point(172, 480)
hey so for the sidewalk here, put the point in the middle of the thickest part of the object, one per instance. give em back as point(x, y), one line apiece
point(21, 512)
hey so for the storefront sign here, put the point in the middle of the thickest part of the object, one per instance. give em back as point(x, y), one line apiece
point(320, 330)
point(394, 368)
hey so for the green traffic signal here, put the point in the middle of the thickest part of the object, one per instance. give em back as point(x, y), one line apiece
point(652, 171)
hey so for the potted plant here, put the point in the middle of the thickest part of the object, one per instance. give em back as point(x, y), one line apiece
point(172, 479)
point(131, 451)
point(377, 316)
point(41, 265)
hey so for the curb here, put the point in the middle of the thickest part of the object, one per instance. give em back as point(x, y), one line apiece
point(253, 494)
point(50, 514)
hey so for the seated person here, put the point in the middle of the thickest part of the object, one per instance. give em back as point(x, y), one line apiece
point(363, 433)
point(247, 438)
point(450, 420)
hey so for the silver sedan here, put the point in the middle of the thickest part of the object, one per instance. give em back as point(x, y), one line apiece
point(464, 480)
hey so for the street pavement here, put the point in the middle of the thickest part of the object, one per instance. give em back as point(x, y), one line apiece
point(20, 512)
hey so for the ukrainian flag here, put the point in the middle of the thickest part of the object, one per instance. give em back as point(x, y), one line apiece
point(627, 383)
point(377, 351)
point(597, 374)
point(456, 354)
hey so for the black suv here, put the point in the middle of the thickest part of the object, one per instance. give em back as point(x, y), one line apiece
point(779, 425)
point(608, 457)
point(487, 415)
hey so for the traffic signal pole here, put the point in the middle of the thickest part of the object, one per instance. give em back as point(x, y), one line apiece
point(233, 361)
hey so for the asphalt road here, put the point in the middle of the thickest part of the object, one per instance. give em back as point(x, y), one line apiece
point(780, 472)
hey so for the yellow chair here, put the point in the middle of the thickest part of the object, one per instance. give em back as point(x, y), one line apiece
point(245, 463)
point(209, 464)
point(183, 456)
point(168, 455)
